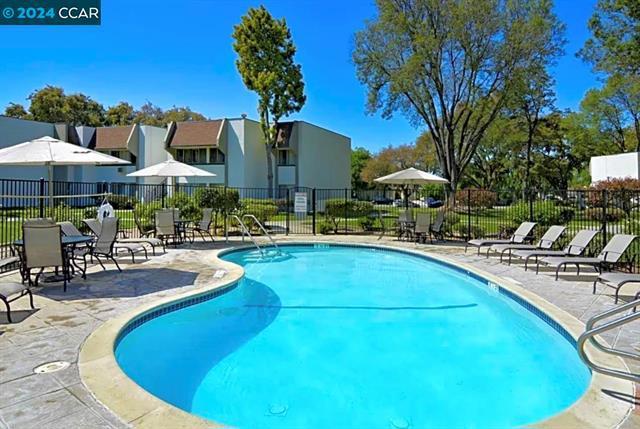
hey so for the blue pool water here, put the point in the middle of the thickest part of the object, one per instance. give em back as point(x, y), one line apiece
point(343, 337)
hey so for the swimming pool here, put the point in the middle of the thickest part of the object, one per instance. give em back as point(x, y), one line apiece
point(334, 336)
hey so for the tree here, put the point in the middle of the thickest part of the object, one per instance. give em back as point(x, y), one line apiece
point(267, 66)
point(120, 114)
point(451, 64)
point(14, 110)
point(359, 158)
point(48, 104)
point(150, 114)
point(79, 109)
point(182, 114)
point(419, 155)
point(614, 46)
point(533, 96)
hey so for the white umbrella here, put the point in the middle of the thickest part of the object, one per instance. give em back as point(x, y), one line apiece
point(171, 168)
point(410, 176)
point(50, 152)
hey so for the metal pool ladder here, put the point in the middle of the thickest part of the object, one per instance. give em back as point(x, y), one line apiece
point(589, 335)
point(245, 231)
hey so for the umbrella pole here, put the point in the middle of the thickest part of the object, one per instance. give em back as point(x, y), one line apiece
point(51, 187)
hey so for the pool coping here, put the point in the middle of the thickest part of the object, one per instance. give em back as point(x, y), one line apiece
point(103, 377)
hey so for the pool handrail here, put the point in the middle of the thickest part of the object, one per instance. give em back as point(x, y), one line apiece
point(590, 335)
point(263, 229)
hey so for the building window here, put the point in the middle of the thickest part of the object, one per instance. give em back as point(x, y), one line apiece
point(192, 156)
point(123, 154)
point(216, 156)
point(284, 158)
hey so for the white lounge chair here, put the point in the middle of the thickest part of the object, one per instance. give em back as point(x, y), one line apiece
point(616, 280)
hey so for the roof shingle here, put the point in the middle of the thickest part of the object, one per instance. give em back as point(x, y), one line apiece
point(196, 133)
point(113, 137)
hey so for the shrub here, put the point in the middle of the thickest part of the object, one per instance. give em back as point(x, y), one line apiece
point(366, 223)
point(188, 208)
point(462, 230)
point(474, 197)
point(614, 214)
point(451, 221)
point(122, 202)
point(324, 227)
point(622, 193)
point(544, 213)
point(145, 214)
point(338, 208)
point(263, 209)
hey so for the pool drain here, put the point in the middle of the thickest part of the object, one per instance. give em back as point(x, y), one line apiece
point(399, 423)
point(49, 367)
point(277, 410)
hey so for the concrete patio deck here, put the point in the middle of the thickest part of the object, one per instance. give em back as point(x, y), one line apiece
point(62, 321)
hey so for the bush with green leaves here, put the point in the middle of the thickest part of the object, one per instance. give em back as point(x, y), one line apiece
point(122, 202)
point(545, 213)
point(613, 214)
point(462, 230)
point(477, 198)
point(263, 209)
point(187, 205)
point(340, 208)
point(145, 213)
point(324, 227)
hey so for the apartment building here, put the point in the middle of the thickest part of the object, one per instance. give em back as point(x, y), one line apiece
point(231, 148)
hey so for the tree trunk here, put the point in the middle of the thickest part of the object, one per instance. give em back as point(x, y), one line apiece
point(270, 171)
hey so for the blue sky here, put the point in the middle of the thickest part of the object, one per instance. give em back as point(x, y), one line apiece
point(179, 53)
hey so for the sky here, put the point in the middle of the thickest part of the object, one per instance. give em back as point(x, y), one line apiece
point(180, 53)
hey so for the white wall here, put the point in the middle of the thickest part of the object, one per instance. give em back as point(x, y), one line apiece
point(217, 169)
point(287, 175)
point(151, 150)
point(255, 156)
point(324, 158)
point(614, 166)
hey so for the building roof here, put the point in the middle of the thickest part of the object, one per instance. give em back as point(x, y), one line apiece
point(113, 138)
point(196, 133)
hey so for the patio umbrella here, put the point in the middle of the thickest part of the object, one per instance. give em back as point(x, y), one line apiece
point(171, 168)
point(410, 176)
point(52, 152)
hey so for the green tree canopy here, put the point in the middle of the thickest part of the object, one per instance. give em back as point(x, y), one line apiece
point(449, 65)
point(122, 113)
point(266, 63)
point(15, 110)
point(614, 46)
point(359, 158)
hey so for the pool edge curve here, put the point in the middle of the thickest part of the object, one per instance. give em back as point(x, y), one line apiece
point(111, 387)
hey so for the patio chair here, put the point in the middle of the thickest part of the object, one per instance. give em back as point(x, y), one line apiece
point(616, 280)
point(39, 221)
point(521, 235)
point(576, 247)
point(421, 230)
point(203, 227)
point(547, 241)
point(608, 257)
point(144, 232)
point(9, 289)
point(404, 218)
point(436, 230)
point(166, 226)
point(95, 226)
point(42, 248)
point(106, 245)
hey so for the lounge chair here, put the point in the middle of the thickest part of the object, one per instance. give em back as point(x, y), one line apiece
point(106, 245)
point(616, 280)
point(609, 256)
point(521, 235)
point(42, 248)
point(576, 247)
point(547, 241)
point(95, 226)
point(421, 230)
point(203, 227)
point(436, 230)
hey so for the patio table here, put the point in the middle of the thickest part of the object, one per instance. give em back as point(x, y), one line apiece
point(68, 243)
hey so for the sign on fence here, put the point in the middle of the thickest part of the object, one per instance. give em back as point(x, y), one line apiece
point(300, 202)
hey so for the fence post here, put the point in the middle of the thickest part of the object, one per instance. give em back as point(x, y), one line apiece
point(41, 197)
point(469, 214)
point(530, 195)
point(313, 208)
point(287, 206)
point(346, 227)
point(604, 216)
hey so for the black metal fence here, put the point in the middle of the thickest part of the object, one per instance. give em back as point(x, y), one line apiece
point(470, 214)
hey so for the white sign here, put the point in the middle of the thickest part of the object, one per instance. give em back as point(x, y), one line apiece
point(300, 202)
